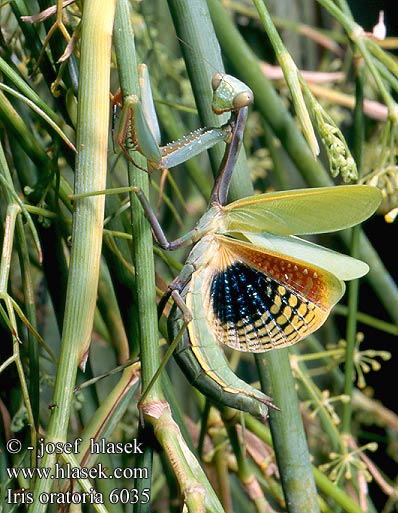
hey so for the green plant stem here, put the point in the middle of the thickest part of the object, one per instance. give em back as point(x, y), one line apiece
point(245, 472)
point(291, 74)
point(29, 297)
point(359, 121)
point(328, 426)
point(220, 461)
point(15, 124)
point(90, 175)
point(369, 320)
point(41, 112)
point(85, 483)
point(109, 413)
point(30, 93)
point(385, 58)
point(30, 31)
point(288, 434)
point(13, 221)
point(351, 330)
point(109, 308)
point(118, 256)
point(142, 242)
point(353, 286)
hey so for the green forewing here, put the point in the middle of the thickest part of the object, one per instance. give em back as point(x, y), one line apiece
point(148, 105)
point(303, 211)
point(143, 137)
point(342, 266)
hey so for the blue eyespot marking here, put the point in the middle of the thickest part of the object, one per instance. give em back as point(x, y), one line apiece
point(251, 311)
point(240, 293)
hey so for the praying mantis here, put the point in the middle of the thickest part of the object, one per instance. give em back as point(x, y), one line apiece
point(249, 282)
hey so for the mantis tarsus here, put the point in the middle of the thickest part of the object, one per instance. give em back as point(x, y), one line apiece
point(249, 282)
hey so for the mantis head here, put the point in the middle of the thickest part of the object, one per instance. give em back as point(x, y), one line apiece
point(229, 94)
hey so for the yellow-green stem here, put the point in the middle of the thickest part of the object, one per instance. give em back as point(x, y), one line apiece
point(142, 236)
point(353, 287)
point(90, 175)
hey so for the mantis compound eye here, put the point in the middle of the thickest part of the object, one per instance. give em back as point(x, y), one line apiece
point(243, 99)
point(216, 80)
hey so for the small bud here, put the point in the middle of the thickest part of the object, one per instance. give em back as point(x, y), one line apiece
point(379, 30)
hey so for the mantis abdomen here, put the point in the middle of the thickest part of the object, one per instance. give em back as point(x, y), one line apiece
point(206, 367)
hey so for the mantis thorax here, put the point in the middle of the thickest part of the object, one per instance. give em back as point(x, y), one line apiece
point(211, 222)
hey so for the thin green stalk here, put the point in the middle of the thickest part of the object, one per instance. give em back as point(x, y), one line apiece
point(30, 93)
point(220, 462)
point(16, 202)
point(353, 286)
point(291, 74)
point(245, 473)
point(85, 483)
point(90, 175)
point(288, 433)
point(109, 308)
point(31, 33)
point(16, 206)
point(15, 125)
point(29, 298)
point(40, 111)
point(13, 221)
point(108, 414)
point(369, 320)
point(383, 90)
point(13, 210)
point(345, 9)
point(387, 59)
point(331, 490)
point(328, 426)
point(359, 121)
point(387, 75)
point(142, 243)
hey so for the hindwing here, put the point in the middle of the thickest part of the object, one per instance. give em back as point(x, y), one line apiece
point(255, 299)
